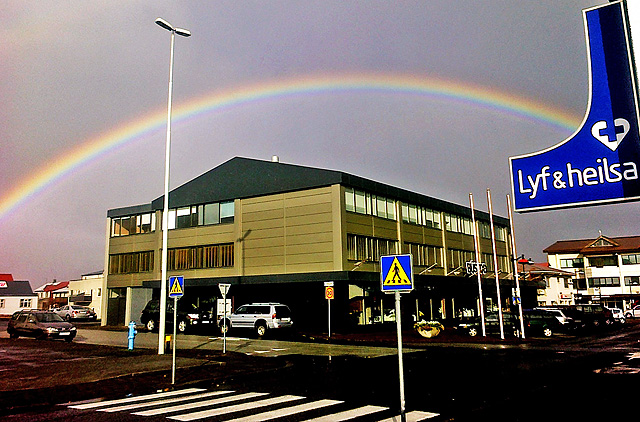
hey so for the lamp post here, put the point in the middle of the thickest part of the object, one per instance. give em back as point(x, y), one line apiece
point(165, 211)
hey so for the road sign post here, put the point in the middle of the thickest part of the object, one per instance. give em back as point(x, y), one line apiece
point(329, 293)
point(176, 291)
point(224, 289)
point(396, 275)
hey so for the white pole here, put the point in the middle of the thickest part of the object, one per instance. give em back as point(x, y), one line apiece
point(165, 212)
point(224, 323)
point(515, 266)
point(496, 269)
point(403, 417)
point(329, 315)
point(476, 244)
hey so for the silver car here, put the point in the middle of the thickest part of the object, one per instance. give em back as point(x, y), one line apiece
point(259, 317)
point(71, 312)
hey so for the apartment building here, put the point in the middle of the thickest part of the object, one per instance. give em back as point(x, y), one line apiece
point(605, 269)
point(277, 232)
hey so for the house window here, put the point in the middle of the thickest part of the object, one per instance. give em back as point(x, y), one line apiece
point(365, 203)
point(134, 262)
point(198, 257)
point(25, 303)
point(424, 255)
point(361, 248)
point(603, 261)
point(1, 303)
point(604, 282)
point(632, 280)
point(572, 263)
point(201, 215)
point(631, 259)
point(133, 224)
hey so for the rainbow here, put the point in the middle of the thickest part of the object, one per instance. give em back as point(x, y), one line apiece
point(427, 87)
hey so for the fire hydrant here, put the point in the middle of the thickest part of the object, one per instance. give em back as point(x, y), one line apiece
point(132, 333)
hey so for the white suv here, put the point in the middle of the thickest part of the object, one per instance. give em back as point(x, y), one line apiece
point(259, 317)
point(633, 312)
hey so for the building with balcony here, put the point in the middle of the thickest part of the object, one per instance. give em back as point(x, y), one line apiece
point(605, 269)
point(53, 295)
point(277, 232)
point(87, 291)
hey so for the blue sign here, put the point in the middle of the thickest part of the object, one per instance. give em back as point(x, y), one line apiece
point(396, 273)
point(599, 163)
point(176, 286)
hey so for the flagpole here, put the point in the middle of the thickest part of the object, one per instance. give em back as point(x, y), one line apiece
point(495, 264)
point(476, 245)
point(515, 267)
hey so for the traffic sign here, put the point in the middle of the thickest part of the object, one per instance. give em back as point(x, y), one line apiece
point(224, 288)
point(176, 286)
point(396, 273)
point(329, 293)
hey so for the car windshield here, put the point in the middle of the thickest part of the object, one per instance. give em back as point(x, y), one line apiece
point(48, 317)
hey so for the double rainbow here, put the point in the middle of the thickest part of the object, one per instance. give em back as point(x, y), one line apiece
point(430, 88)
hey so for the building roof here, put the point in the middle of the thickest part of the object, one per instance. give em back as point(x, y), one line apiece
point(16, 288)
point(240, 178)
point(597, 246)
point(6, 277)
point(55, 286)
point(544, 269)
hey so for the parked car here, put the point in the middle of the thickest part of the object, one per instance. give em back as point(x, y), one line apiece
point(473, 325)
point(70, 312)
point(259, 317)
point(618, 315)
point(41, 325)
point(188, 315)
point(564, 317)
point(540, 322)
point(633, 312)
point(595, 315)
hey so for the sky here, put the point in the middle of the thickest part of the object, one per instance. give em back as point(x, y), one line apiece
point(430, 96)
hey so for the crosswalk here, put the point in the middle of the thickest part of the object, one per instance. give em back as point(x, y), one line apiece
point(192, 404)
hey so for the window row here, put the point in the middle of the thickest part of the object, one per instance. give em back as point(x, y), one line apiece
point(631, 259)
point(198, 257)
point(361, 248)
point(424, 255)
point(603, 261)
point(133, 262)
point(133, 224)
point(201, 215)
point(484, 230)
point(633, 280)
point(366, 203)
point(572, 263)
point(604, 281)
point(420, 215)
point(504, 263)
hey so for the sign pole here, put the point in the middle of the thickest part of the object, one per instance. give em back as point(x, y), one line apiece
point(403, 417)
point(476, 245)
point(175, 331)
point(224, 322)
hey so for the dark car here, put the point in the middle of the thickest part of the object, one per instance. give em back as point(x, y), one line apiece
point(41, 325)
point(473, 325)
point(595, 315)
point(188, 315)
point(540, 322)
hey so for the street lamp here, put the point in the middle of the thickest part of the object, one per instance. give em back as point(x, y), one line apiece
point(165, 211)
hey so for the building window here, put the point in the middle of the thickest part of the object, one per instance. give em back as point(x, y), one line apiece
point(424, 255)
point(361, 248)
point(201, 215)
point(198, 257)
point(1, 303)
point(134, 262)
point(604, 281)
point(572, 263)
point(631, 259)
point(25, 303)
point(457, 258)
point(603, 261)
point(457, 224)
point(633, 280)
point(133, 224)
point(365, 203)
point(419, 215)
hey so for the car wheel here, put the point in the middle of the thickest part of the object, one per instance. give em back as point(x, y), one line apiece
point(13, 335)
point(68, 318)
point(473, 331)
point(68, 339)
point(261, 329)
point(41, 335)
point(596, 323)
point(182, 326)
point(547, 332)
point(151, 325)
point(627, 316)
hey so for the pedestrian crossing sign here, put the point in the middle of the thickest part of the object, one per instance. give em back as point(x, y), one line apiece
point(176, 286)
point(396, 273)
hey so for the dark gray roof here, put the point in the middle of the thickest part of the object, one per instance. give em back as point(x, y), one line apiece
point(241, 178)
point(17, 288)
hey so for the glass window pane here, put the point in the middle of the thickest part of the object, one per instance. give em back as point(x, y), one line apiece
point(226, 212)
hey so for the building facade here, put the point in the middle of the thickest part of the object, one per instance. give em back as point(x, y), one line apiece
point(87, 291)
point(556, 286)
point(15, 295)
point(605, 269)
point(53, 295)
point(277, 232)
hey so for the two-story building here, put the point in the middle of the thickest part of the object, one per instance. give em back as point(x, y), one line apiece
point(53, 295)
point(87, 291)
point(605, 269)
point(277, 232)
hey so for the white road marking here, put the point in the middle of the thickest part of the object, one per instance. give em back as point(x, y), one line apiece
point(136, 398)
point(235, 408)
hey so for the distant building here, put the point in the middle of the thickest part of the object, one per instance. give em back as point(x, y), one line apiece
point(558, 284)
point(87, 291)
point(15, 295)
point(53, 295)
point(604, 270)
point(278, 232)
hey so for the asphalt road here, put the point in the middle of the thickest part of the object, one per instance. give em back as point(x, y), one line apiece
point(590, 377)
